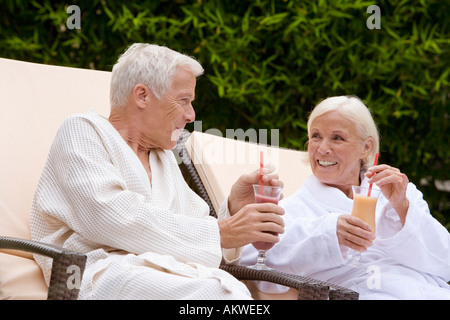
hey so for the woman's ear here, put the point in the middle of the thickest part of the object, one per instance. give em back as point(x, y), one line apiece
point(368, 145)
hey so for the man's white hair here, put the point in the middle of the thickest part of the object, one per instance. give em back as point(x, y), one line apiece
point(148, 64)
point(352, 108)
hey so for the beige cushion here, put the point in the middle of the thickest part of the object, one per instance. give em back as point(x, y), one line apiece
point(14, 226)
point(34, 100)
point(220, 161)
point(291, 294)
point(21, 278)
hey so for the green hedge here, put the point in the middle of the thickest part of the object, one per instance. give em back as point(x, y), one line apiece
point(268, 62)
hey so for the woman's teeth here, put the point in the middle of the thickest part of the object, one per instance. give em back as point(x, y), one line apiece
point(326, 163)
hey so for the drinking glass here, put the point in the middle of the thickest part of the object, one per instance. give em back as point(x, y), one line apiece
point(265, 194)
point(364, 204)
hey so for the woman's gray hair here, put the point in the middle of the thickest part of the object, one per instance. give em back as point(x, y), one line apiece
point(148, 64)
point(353, 109)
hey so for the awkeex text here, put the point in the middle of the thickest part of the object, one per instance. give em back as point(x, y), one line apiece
point(245, 309)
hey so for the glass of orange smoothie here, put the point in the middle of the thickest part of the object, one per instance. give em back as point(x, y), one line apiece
point(264, 194)
point(364, 204)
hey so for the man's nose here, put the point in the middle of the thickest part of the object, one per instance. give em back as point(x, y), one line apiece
point(190, 114)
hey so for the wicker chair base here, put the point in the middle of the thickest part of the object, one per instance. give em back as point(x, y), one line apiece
point(308, 288)
point(65, 264)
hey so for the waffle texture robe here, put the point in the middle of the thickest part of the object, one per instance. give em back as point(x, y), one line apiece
point(409, 262)
point(142, 240)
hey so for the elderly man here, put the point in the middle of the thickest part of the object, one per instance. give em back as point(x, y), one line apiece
point(112, 189)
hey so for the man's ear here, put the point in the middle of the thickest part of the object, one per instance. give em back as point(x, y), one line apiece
point(141, 95)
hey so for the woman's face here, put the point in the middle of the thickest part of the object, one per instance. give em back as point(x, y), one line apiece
point(336, 150)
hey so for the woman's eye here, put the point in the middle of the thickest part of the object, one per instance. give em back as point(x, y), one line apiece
point(338, 138)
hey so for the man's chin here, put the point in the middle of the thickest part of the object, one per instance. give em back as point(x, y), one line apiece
point(176, 134)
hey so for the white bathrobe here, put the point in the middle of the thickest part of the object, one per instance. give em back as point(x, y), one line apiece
point(409, 262)
point(142, 240)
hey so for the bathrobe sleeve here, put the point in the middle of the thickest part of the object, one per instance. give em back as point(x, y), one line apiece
point(422, 243)
point(310, 239)
point(85, 189)
point(233, 255)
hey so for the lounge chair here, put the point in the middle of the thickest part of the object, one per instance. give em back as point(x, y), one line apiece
point(34, 101)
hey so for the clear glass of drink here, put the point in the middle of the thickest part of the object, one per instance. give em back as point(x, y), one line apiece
point(364, 204)
point(265, 194)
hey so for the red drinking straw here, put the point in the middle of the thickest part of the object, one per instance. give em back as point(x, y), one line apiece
point(261, 165)
point(374, 163)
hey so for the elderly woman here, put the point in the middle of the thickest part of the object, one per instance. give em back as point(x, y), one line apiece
point(410, 256)
point(112, 189)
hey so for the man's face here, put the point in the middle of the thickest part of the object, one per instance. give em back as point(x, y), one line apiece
point(166, 118)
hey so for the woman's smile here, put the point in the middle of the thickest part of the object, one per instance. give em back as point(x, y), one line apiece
point(324, 163)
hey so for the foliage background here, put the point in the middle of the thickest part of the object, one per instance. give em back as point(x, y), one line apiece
point(268, 62)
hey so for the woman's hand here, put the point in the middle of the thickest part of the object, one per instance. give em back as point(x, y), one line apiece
point(354, 233)
point(242, 190)
point(393, 185)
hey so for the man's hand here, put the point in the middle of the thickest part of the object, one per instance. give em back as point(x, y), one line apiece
point(242, 190)
point(254, 222)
